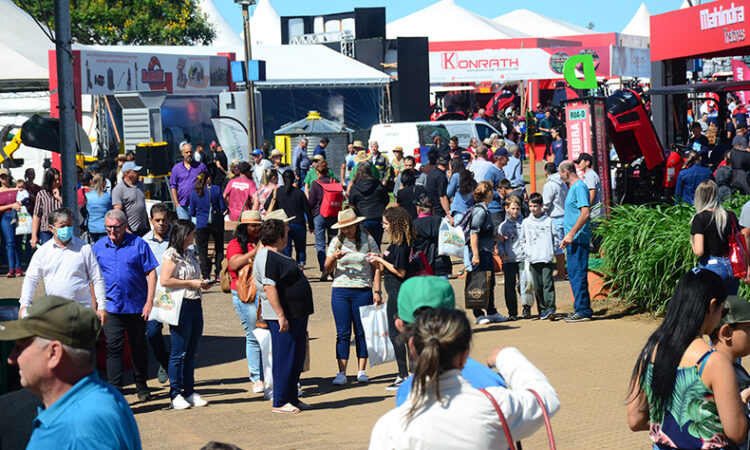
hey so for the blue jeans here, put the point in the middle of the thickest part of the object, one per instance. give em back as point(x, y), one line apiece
point(375, 228)
point(345, 303)
point(182, 212)
point(247, 314)
point(288, 350)
point(557, 222)
point(156, 341)
point(298, 235)
point(9, 233)
point(185, 338)
point(322, 231)
point(578, 271)
point(721, 266)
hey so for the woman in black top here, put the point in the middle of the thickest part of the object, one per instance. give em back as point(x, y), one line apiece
point(370, 198)
point(294, 203)
point(427, 228)
point(710, 230)
point(394, 264)
point(407, 196)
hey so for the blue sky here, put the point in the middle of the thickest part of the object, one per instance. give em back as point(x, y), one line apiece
point(606, 15)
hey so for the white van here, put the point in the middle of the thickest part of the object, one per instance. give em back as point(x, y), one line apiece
point(413, 136)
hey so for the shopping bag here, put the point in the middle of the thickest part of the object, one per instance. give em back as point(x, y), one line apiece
point(478, 289)
point(264, 340)
point(167, 305)
point(737, 251)
point(525, 286)
point(375, 323)
point(24, 222)
point(451, 240)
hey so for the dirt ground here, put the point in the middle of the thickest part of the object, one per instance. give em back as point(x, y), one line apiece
point(588, 363)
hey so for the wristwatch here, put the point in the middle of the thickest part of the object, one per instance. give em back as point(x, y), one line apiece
point(378, 292)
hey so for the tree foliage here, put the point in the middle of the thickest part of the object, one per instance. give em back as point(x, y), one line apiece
point(131, 22)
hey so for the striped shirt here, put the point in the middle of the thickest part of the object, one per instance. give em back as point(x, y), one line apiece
point(45, 204)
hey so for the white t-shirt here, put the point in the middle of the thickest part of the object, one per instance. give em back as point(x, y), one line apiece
point(591, 178)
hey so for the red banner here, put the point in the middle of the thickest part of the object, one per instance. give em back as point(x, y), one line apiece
point(578, 127)
point(715, 28)
point(741, 73)
point(602, 154)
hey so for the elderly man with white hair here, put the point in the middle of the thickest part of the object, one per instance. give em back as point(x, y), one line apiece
point(128, 264)
point(182, 180)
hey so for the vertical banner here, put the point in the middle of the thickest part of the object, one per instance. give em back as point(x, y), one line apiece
point(740, 73)
point(578, 128)
point(233, 137)
point(602, 154)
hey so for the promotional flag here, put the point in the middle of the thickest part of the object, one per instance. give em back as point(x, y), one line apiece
point(740, 73)
point(233, 137)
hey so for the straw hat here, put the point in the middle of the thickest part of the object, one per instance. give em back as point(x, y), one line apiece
point(278, 214)
point(318, 157)
point(346, 218)
point(276, 152)
point(251, 217)
point(361, 156)
point(358, 144)
point(398, 149)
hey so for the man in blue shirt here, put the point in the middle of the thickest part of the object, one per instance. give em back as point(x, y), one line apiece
point(300, 161)
point(320, 149)
point(514, 169)
point(158, 241)
point(128, 266)
point(484, 170)
point(577, 229)
point(418, 294)
point(54, 351)
point(689, 178)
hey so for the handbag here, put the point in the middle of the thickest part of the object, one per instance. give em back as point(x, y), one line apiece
point(737, 250)
point(375, 324)
point(506, 428)
point(225, 278)
point(167, 305)
point(478, 289)
point(246, 288)
point(273, 201)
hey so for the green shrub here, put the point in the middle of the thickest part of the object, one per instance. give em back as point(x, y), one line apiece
point(647, 249)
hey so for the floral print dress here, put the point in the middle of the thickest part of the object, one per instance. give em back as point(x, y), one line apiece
point(691, 420)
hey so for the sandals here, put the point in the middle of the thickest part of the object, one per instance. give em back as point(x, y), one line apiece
point(286, 409)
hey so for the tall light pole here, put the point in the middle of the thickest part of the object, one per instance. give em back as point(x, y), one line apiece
point(249, 85)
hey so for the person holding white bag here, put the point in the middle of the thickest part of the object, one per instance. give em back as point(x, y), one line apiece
point(352, 288)
point(427, 227)
point(180, 270)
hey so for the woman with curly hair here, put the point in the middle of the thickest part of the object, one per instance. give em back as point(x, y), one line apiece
point(397, 222)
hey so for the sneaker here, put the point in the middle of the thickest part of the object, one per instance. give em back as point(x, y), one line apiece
point(395, 385)
point(362, 377)
point(526, 312)
point(544, 315)
point(259, 387)
point(162, 375)
point(482, 320)
point(340, 379)
point(19, 272)
point(497, 318)
point(512, 318)
point(195, 400)
point(576, 318)
point(144, 396)
point(179, 402)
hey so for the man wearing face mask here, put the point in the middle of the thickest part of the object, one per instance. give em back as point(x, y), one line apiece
point(68, 266)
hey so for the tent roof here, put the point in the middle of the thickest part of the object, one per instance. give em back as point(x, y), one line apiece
point(639, 24)
point(446, 21)
point(286, 65)
point(312, 124)
point(225, 35)
point(265, 24)
point(537, 25)
point(23, 48)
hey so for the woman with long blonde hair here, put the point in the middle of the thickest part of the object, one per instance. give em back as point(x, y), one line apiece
point(98, 202)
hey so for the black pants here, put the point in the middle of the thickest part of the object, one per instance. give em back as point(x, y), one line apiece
point(114, 331)
point(202, 235)
point(392, 286)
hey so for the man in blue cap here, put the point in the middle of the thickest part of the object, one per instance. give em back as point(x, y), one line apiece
point(418, 294)
point(260, 165)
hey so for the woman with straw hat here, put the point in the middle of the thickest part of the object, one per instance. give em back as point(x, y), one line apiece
point(241, 251)
point(352, 288)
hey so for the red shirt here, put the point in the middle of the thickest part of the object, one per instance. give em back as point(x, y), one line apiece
point(233, 248)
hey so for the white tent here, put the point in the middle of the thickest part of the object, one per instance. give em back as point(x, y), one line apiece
point(537, 25)
point(684, 4)
point(446, 21)
point(225, 35)
point(265, 24)
point(23, 49)
point(639, 24)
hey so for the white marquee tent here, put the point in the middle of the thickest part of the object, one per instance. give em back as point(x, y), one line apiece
point(537, 25)
point(265, 24)
point(639, 24)
point(446, 21)
point(225, 35)
point(23, 49)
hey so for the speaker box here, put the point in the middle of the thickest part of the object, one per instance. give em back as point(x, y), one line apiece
point(411, 94)
point(154, 158)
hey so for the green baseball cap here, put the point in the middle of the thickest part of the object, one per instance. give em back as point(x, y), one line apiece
point(421, 292)
point(738, 311)
point(57, 319)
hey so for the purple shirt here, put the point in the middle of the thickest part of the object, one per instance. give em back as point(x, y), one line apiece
point(183, 180)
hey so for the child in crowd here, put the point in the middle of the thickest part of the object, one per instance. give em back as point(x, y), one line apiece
point(539, 241)
point(510, 250)
point(732, 338)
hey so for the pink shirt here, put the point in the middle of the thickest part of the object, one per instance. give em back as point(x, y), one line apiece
point(239, 190)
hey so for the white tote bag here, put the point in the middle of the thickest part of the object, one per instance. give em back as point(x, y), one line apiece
point(264, 339)
point(375, 323)
point(525, 285)
point(24, 222)
point(451, 240)
point(167, 305)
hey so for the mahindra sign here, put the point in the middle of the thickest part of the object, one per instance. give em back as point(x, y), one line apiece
point(719, 17)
